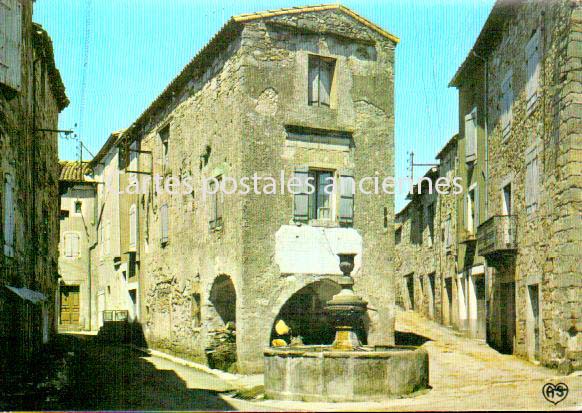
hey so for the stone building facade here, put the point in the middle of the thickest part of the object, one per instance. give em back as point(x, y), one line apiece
point(31, 96)
point(426, 246)
point(115, 263)
point(518, 221)
point(76, 294)
point(304, 92)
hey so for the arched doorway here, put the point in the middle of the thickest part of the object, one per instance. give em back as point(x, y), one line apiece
point(304, 313)
point(221, 349)
point(223, 299)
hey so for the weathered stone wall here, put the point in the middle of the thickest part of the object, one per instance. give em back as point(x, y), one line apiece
point(229, 121)
point(77, 271)
point(547, 256)
point(30, 157)
point(423, 252)
point(277, 53)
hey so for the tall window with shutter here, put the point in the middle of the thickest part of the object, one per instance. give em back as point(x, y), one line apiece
point(301, 197)
point(506, 105)
point(320, 81)
point(471, 136)
point(8, 215)
point(532, 55)
point(10, 43)
point(532, 181)
point(347, 188)
point(132, 227)
point(72, 245)
point(164, 224)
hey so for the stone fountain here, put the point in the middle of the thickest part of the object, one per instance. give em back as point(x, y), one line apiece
point(346, 370)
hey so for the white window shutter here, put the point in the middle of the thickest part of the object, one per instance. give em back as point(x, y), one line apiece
point(471, 136)
point(10, 43)
point(533, 70)
point(325, 76)
point(75, 245)
point(8, 216)
point(347, 188)
point(313, 81)
point(301, 197)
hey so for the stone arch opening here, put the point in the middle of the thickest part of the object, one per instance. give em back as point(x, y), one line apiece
point(223, 299)
point(303, 312)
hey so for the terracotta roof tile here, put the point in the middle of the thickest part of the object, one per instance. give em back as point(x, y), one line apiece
point(73, 171)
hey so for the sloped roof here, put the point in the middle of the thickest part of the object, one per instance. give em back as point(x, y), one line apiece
point(73, 171)
point(322, 7)
point(490, 34)
point(42, 40)
point(220, 42)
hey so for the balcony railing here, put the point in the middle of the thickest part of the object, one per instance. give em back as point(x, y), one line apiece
point(497, 236)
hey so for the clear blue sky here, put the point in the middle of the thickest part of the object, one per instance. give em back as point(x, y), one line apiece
point(116, 56)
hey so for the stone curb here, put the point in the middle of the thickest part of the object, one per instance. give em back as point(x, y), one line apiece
point(228, 377)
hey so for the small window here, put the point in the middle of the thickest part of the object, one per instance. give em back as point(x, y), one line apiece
point(132, 264)
point(321, 71)
point(320, 198)
point(429, 215)
point(216, 202)
point(472, 210)
point(195, 310)
point(398, 236)
point(78, 207)
point(165, 140)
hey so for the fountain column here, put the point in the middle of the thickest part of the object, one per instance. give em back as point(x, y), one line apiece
point(346, 310)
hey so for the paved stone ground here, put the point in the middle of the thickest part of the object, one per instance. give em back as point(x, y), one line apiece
point(465, 374)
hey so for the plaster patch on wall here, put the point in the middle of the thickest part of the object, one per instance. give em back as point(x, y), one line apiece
point(313, 250)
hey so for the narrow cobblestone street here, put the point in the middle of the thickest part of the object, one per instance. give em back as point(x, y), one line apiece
point(464, 374)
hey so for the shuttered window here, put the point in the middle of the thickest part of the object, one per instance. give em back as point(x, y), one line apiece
point(320, 80)
point(72, 247)
point(8, 215)
point(506, 104)
point(532, 181)
point(10, 43)
point(132, 227)
point(471, 136)
point(164, 224)
point(347, 188)
point(301, 197)
point(532, 54)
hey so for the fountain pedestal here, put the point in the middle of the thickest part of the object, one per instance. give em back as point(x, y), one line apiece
point(346, 370)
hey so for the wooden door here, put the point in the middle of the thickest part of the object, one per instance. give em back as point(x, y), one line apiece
point(70, 306)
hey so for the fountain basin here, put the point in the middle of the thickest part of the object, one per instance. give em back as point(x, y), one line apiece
point(321, 374)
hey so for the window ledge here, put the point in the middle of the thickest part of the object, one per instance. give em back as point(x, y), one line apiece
point(324, 223)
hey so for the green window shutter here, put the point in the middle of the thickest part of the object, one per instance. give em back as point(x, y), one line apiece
point(301, 197)
point(476, 208)
point(347, 187)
